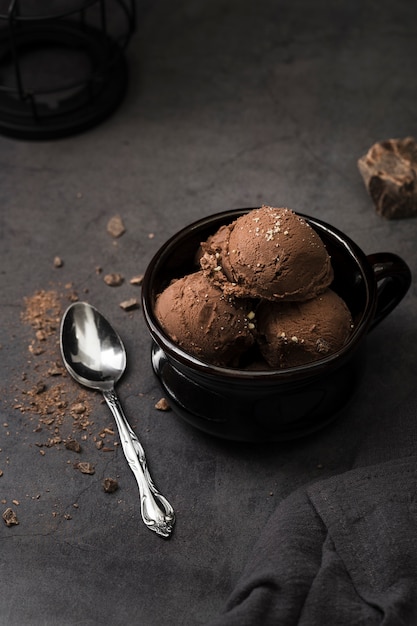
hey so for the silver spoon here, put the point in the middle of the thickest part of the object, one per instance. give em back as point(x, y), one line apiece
point(94, 355)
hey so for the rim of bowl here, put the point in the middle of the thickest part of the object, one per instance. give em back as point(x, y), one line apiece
point(175, 352)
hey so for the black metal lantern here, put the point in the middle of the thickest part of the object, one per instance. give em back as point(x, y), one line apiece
point(62, 64)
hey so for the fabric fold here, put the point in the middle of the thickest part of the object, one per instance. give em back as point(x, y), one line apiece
point(341, 551)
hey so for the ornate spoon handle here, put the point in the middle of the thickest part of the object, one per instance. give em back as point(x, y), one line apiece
point(157, 513)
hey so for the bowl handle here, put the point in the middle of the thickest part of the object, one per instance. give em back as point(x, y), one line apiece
point(393, 278)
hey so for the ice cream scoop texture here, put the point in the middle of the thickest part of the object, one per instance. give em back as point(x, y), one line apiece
point(294, 333)
point(204, 321)
point(262, 293)
point(270, 253)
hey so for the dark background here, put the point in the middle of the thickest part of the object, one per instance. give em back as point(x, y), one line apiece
point(230, 104)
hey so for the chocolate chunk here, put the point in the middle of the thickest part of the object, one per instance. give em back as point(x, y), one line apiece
point(110, 485)
point(116, 227)
point(72, 444)
point(114, 280)
point(10, 517)
point(85, 468)
point(130, 305)
point(136, 280)
point(162, 405)
point(389, 170)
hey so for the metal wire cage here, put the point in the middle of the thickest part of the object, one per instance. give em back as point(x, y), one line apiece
point(62, 64)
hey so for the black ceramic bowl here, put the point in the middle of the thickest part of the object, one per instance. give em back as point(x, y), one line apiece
point(271, 404)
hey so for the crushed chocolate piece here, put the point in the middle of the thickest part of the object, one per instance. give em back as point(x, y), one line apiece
point(113, 280)
point(40, 387)
point(130, 305)
point(55, 370)
point(53, 441)
point(40, 335)
point(73, 296)
point(43, 312)
point(136, 280)
point(115, 226)
point(389, 171)
point(61, 408)
point(36, 350)
point(110, 485)
point(78, 408)
point(162, 405)
point(10, 517)
point(73, 444)
point(85, 468)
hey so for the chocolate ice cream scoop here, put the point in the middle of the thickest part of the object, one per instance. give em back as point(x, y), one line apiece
point(204, 321)
point(270, 253)
point(295, 333)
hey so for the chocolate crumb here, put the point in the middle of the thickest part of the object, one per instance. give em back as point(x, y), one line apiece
point(40, 387)
point(73, 296)
point(110, 485)
point(136, 280)
point(10, 517)
point(73, 445)
point(115, 226)
point(130, 305)
point(53, 441)
point(40, 335)
point(162, 405)
point(114, 279)
point(322, 346)
point(78, 408)
point(43, 312)
point(58, 262)
point(85, 468)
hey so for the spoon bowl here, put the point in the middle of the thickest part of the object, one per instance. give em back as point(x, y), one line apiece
point(92, 350)
point(94, 355)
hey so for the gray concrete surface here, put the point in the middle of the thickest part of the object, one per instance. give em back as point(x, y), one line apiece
point(230, 104)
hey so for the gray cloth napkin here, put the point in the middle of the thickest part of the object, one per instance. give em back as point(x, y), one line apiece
point(342, 551)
